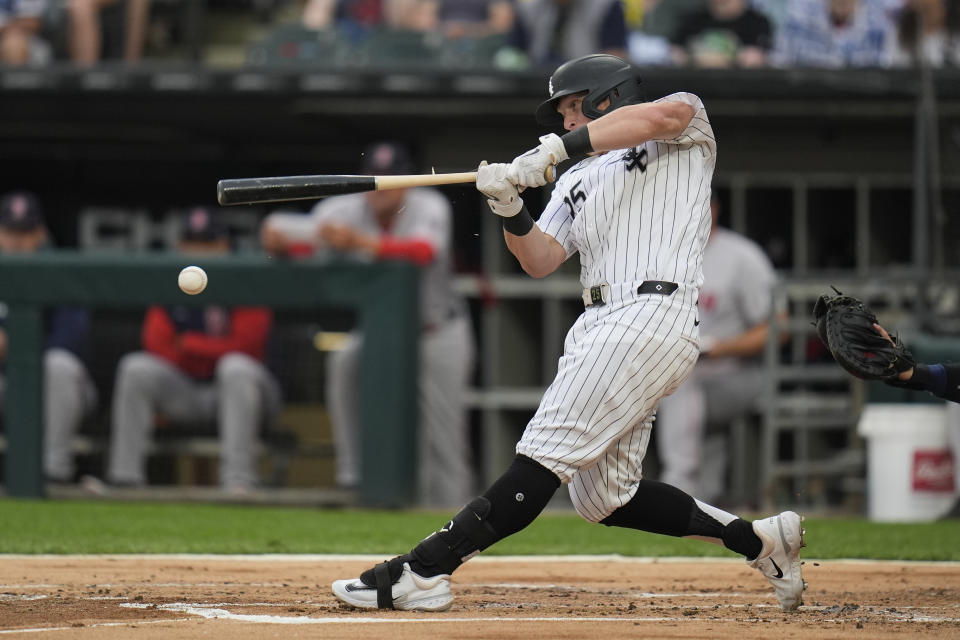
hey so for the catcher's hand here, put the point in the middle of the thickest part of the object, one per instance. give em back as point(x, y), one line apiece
point(849, 330)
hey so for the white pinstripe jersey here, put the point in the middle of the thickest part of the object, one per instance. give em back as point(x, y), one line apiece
point(642, 213)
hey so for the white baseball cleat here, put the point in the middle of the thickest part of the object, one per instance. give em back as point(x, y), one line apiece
point(411, 592)
point(779, 560)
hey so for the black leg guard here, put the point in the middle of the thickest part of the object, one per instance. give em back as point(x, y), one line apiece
point(520, 494)
point(509, 505)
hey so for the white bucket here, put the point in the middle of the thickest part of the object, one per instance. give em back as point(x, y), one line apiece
point(910, 469)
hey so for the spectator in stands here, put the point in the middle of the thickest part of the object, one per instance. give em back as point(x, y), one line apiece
point(199, 363)
point(734, 307)
point(725, 33)
point(86, 30)
point(357, 17)
point(775, 10)
point(651, 23)
point(68, 391)
point(547, 33)
point(834, 33)
point(20, 23)
point(928, 30)
point(401, 224)
point(474, 18)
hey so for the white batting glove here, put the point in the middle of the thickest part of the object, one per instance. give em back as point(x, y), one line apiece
point(530, 169)
point(502, 195)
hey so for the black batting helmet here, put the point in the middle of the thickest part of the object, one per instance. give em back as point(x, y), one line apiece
point(601, 76)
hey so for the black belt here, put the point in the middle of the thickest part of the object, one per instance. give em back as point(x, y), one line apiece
point(599, 294)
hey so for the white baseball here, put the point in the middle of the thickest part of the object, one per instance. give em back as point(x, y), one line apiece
point(192, 280)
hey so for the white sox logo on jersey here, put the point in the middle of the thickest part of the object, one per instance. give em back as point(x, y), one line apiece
point(636, 160)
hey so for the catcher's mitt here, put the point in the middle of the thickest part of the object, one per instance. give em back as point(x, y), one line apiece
point(845, 325)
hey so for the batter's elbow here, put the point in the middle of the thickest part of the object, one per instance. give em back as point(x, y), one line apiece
point(536, 272)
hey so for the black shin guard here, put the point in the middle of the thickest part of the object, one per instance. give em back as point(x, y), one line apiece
point(509, 505)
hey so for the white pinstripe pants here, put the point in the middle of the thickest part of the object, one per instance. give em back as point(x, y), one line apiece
point(593, 424)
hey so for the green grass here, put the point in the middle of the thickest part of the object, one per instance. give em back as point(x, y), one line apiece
point(34, 526)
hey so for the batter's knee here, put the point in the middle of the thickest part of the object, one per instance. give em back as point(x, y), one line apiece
point(587, 509)
point(594, 501)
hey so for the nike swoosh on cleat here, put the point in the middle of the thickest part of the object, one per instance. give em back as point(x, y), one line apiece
point(779, 571)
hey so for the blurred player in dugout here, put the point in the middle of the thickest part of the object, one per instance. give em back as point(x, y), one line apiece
point(401, 224)
point(68, 391)
point(727, 382)
point(199, 363)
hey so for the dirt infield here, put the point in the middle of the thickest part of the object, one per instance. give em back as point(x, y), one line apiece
point(190, 597)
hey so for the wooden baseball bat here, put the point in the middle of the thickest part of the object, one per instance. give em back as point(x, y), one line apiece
point(286, 188)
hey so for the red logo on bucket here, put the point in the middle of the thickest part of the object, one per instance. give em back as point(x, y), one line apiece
point(933, 470)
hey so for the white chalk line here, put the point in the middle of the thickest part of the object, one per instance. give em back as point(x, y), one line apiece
point(95, 625)
point(212, 611)
point(516, 586)
point(224, 615)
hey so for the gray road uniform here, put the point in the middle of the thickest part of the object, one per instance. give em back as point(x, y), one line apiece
point(737, 295)
point(447, 354)
point(639, 219)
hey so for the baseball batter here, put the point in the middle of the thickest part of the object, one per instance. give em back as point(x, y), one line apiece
point(635, 208)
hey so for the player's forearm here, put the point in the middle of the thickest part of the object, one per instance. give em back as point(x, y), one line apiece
point(748, 344)
point(633, 125)
point(538, 253)
point(942, 380)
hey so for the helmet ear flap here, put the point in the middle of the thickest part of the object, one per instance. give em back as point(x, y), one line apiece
point(622, 89)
